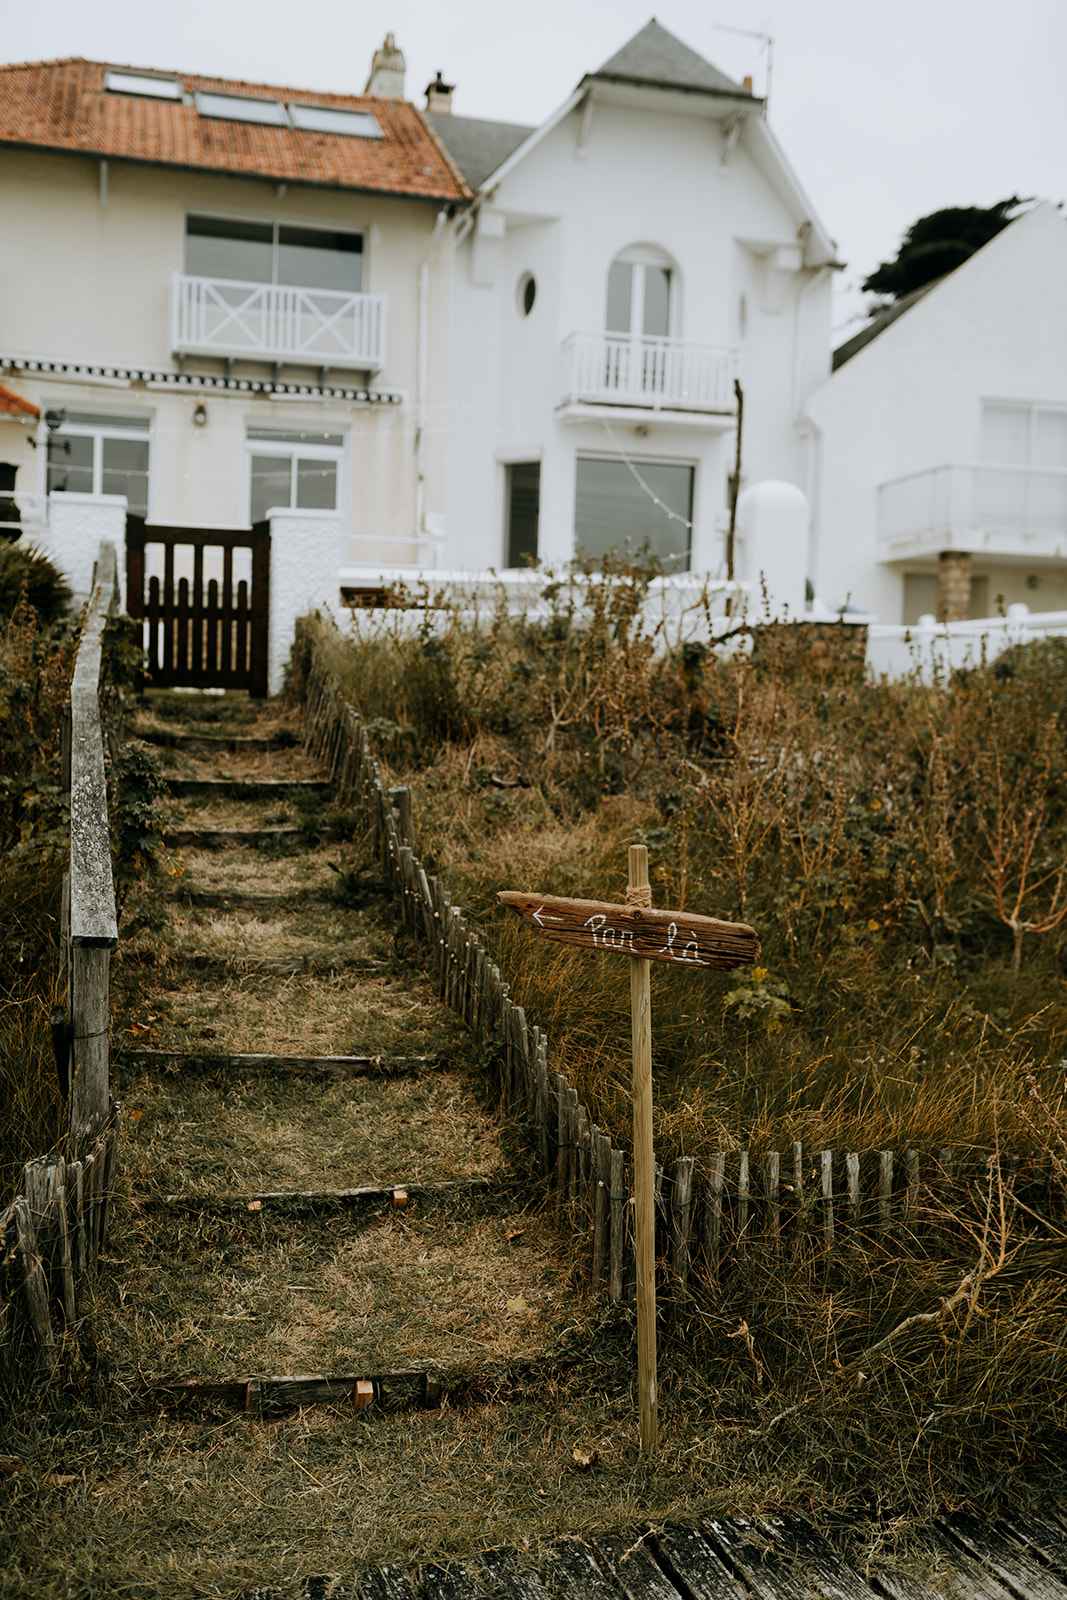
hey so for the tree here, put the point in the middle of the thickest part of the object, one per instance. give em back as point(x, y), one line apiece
point(938, 244)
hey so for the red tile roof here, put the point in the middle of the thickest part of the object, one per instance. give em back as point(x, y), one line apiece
point(63, 106)
point(13, 405)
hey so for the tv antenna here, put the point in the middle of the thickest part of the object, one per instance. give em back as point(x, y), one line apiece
point(765, 40)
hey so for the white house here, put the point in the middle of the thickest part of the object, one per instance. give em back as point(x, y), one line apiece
point(400, 338)
point(230, 301)
point(621, 265)
point(941, 442)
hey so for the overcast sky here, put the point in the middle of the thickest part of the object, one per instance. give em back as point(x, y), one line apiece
point(886, 111)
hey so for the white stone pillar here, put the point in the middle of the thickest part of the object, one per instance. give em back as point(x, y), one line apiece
point(772, 520)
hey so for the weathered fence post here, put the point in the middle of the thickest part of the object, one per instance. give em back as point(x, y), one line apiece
point(93, 923)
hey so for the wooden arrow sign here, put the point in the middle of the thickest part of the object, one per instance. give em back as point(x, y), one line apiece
point(675, 936)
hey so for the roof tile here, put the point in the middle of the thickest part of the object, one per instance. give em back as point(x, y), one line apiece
point(63, 106)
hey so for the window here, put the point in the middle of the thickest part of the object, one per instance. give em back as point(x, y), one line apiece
point(630, 509)
point(1022, 481)
point(526, 293)
point(639, 294)
point(94, 453)
point(117, 82)
point(523, 512)
point(272, 252)
point(292, 467)
point(335, 119)
point(240, 108)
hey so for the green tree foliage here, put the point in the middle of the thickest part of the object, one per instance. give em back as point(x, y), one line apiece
point(938, 244)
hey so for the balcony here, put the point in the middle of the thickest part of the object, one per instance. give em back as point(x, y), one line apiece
point(611, 369)
point(996, 511)
point(276, 322)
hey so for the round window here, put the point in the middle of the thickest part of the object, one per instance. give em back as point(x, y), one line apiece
point(527, 293)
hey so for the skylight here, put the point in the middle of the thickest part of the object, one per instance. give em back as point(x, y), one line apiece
point(335, 119)
point(239, 108)
point(142, 83)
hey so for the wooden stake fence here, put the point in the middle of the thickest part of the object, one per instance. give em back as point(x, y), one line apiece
point(53, 1231)
point(746, 1215)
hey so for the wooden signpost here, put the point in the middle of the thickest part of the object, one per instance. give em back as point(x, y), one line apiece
point(645, 935)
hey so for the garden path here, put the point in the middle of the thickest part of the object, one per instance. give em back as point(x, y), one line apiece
point(339, 1322)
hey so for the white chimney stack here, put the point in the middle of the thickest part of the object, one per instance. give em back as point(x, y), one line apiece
point(387, 71)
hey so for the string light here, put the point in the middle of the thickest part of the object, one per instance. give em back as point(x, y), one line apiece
point(667, 512)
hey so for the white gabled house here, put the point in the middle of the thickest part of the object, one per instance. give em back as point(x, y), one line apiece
point(941, 443)
point(621, 265)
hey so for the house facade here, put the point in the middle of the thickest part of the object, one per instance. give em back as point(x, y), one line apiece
point(941, 443)
point(404, 339)
point(230, 302)
point(621, 266)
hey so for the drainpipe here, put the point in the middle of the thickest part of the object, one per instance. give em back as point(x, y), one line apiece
point(423, 378)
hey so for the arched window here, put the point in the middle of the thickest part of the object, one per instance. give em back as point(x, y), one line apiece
point(640, 293)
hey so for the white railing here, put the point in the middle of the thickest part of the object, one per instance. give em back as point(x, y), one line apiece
point(935, 649)
point(973, 502)
point(276, 322)
point(615, 369)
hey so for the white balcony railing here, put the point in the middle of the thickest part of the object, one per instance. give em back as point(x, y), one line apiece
point(658, 374)
point(276, 322)
point(975, 507)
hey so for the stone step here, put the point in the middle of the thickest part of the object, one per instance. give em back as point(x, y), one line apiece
point(203, 744)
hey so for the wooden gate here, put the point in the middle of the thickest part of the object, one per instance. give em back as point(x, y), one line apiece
point(212, 637)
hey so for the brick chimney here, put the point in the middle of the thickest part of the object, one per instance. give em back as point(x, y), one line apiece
point(439, 95)
point(387, 71)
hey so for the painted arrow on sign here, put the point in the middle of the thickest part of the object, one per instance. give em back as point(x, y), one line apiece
point(675, 936)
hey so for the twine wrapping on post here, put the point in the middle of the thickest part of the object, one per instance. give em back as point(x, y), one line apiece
point(639, 895)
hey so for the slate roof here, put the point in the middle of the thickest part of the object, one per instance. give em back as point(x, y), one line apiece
point(63, 106)
point(879, 323)
point(13, 405)
point(477, 147)
point(655, 57)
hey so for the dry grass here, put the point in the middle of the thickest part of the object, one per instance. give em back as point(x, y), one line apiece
point(257, 1013)
point(216, 1137)
point(236, 935)
point(372, 1290)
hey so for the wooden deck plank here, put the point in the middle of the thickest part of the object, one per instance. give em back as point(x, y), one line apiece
point(1011, 1563)
point(510, 1578)
point(824, 1569)
point(973, 1578)
point(571, 1569)
point(385, 1583)
point(692, 1564)
point(628, 1560)
point(902, 1586)
point(760, 1555)
point(451, 1582)
point(1048, 1539)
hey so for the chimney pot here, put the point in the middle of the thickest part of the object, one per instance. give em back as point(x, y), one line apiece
point(439, 95)
point(746, 83)
point(387, 70)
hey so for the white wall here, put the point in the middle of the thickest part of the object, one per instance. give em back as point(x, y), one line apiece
point(911, 400)
point(91, 284)
point(644, 176)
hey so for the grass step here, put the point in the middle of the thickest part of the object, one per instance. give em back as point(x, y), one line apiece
point(203, 744)
point(246, 788)
point(232, 838)
point(238, 900)
point(396, 1195)
point(329, 1066)
point(274, 966)
point(405, 1389)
